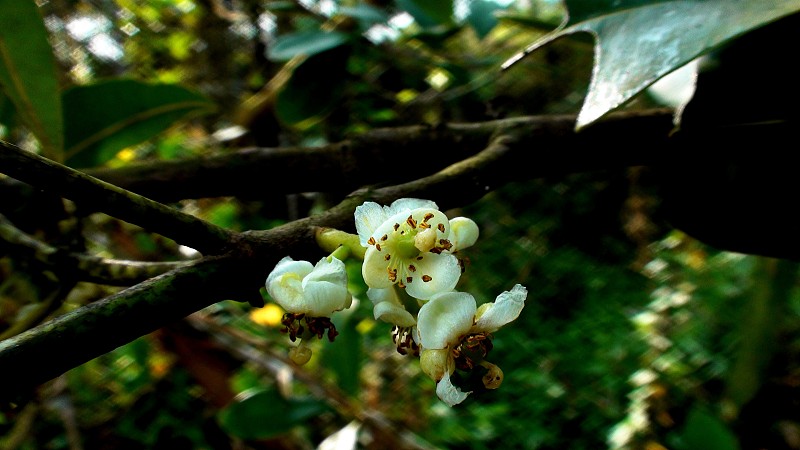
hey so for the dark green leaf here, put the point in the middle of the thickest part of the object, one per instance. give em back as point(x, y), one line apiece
point(367, 15)
point(640, 41)
point(103, 118)
point(429, 13)
point(481, 16)
point(343, 356)
point(261, 414)
point(28, 73)
point(314, 88)
point(305, 43)
point(705, 431)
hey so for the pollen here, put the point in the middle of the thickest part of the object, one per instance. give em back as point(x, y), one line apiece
point(440, 227)
point(411, 268)
point(392, 275)
point(388, 257)
point(426, 278)
point(409, 279)
point(396, 226)
point(384, 237)
point(371, 241)
point(411, 222)
point(378, 246)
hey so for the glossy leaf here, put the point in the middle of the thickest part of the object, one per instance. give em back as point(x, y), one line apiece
point(306, 43)
point(103, 118)
point(28, 73)
point(705, 431)
point(429, 13)
point(639, 41)
point(314, 89)
point(482, 17)
point(261, 414)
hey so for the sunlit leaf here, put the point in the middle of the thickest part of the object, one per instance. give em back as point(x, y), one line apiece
point(305, 43)
point(103, 118)
point(639, 41)
point(261, 414)
point(314, 89)
point(28, 73)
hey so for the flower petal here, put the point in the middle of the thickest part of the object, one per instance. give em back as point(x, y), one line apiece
point(445, 318)
point(463, 232)
point(449, 393)
point(369, 217)
point(323, 298)
point(408, 204)
point(505, 308)
point(441, 270)
point(374, 269)
point(285, 283)
point(396, 315)
point(333, 271)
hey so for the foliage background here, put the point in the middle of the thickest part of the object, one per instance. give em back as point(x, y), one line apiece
point(635, 335)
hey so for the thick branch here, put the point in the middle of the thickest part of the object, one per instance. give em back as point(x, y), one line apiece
point(390, 155)
point(98, 195)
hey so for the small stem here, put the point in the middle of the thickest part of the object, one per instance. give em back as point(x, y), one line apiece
point(330, 240)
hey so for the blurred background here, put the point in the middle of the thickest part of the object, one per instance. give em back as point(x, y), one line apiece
point(634, 335)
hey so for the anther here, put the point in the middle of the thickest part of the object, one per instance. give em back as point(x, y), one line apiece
point(384, 237)
point(371, 241)
point(411, 222)
point(426, 278)
point(412, 268)
point(440, 227)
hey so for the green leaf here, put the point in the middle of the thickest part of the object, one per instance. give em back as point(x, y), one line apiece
point(305, 43)
point(429, 14)
point(705, 431)
point(261, 414)
point(343, 356)
point(482, 17)
point(640, 41)
point(28, 73)
point(103, 118)
point(314, 89)
point(367, 15)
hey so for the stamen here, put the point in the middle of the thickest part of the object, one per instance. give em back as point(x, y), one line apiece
point(388, 257)
point(392, 275)
point(396, 226)
point(378, 246)
point(411, 222)
point(384, 237)
point(440, 227)
point(409, 279)
point(426, 278)
point(371, 240)
point(412, 268)
point(427, 217)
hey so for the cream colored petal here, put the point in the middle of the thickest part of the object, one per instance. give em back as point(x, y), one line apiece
point(463, 232)
point(394, 314)
point(445, 318)
point(333, 271)
point(285, 283)
point(505, 309)
point(449, 393)
point(441, 270)
point(408, 204)
point(322, 298)
point(434, 363)
point(369, 217)
point(374, 270)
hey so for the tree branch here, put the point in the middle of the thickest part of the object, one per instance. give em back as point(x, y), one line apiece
point(101, 196)
point(84, 267)
point(392, 155)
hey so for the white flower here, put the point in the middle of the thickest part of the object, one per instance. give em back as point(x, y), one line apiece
point(411, 244)
point(316, 291)
point(454, 333)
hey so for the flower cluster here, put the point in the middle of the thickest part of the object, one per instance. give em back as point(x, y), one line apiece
point(411, 266)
